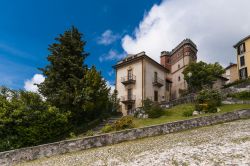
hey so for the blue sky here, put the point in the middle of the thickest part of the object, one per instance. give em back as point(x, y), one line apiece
point(27, 28)
point(113, 28)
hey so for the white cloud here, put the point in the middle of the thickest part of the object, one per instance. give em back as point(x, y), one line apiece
point(111, 55)
point(110, 73)
point(111, 86)
point(107, 38)
point(36, 79)
point(215, 26)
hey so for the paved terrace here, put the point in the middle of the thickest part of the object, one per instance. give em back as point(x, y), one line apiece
point(223, 144)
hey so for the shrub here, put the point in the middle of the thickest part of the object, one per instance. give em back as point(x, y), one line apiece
point(90, 133)
point(152, 109)
point(244, 95)
point(155, 111)
point(208, 100)
point(198, 107)
point(212, 106)
point(107, 128)
point(72, 135)
point(126, 122)
point(187, 113)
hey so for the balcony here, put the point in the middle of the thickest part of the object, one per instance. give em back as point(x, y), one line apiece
point(158, 82)
point(130, 99)
point(126, 80)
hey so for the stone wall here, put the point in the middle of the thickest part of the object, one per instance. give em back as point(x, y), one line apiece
point(245, 86)
point(30, 153)
point(235, 101)
point(182, 100)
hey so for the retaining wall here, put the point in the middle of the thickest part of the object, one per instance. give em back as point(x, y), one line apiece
point(182, 100)
point(47, 150)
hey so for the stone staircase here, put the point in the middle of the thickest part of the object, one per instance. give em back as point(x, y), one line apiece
point(109, 121)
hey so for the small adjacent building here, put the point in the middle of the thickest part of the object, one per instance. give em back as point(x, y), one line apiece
point(243, 57)
point(231, 73)
point(139, 77)
point(220, 82)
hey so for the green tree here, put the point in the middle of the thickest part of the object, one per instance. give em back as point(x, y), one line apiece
point(200, 75)
point(97, 103)
point(65, 72)
point(27, 120)
point(115, 102)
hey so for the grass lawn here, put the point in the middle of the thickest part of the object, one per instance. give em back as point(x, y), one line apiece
point(176, 113)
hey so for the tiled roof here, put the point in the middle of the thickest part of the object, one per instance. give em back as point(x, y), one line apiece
point(242, 40)
point(231, 64)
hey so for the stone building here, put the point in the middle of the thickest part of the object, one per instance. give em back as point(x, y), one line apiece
point(176, 61)
point(243, 57)
point(139, 77)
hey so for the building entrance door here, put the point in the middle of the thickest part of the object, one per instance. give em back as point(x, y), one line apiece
point(130, 108)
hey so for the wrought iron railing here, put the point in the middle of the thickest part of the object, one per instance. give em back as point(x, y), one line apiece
point(158, 81)
point(128, 78)
point(128, 98)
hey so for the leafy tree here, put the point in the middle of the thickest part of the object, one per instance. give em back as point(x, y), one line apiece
point(65, 73)
point(200, 75)
point(27, 120)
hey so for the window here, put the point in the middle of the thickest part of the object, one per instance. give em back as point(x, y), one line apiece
point(179, 66)
point(241, 49)
point(242, 61)
point(243, 73)
point(179, 78)
point(155, 95)
point(167, 86)
point(129, 94)
point(155, 76)
point(130, 75)
point(129, 107)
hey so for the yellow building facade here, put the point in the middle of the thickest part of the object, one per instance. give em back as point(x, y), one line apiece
point(243, 57)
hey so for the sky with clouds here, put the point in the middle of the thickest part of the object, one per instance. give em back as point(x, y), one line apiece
point(114, 28)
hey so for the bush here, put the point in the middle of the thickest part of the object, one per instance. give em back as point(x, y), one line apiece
point(107, 128)
point(155, 111)
point(126, 122)
point(90, 133)
point(152, 109)
point(187, 113)
point(244, 95)
point(198, 107)
point(208, 100)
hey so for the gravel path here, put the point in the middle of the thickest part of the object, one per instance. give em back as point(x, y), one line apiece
point(223, 144)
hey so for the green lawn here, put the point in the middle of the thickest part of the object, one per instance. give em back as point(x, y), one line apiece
point(176, 113)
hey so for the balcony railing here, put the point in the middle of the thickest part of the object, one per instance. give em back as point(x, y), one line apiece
point(128, 99)
point(130, 79)
point(158, 82)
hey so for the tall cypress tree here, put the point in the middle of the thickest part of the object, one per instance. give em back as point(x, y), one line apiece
point(65, 72)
